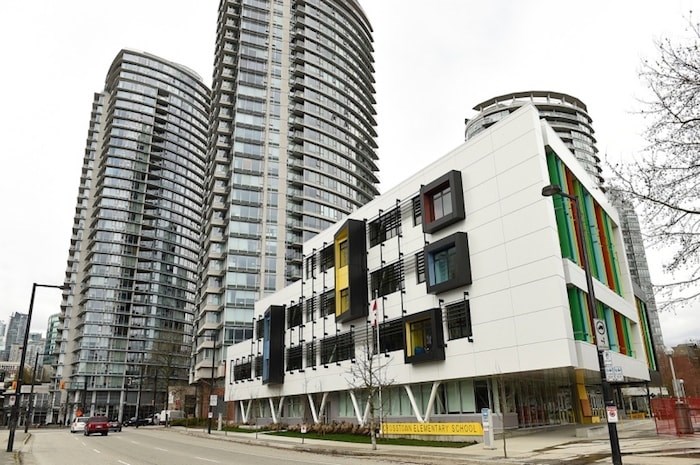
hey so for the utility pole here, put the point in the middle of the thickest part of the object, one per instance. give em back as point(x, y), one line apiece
point(31, 394)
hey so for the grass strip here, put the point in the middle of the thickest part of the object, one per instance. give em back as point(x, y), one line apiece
point(361, 439)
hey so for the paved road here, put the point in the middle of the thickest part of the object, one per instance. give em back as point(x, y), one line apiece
point(145, 446)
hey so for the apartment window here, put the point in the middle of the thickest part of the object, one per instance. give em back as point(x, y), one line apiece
point(294, 316)
point(459, 320)
point(343, 254)
point(417, 213)
point(328, 303)
point(420, 267)
point(391, 336)
point(344, 300)
point(424, 339)
point(442, 265)
point(442, 202)
point(388, 225)
point(310, 267)
point(327, 258)
point(337, 348)
point(310, 354)
point(294, 358)
point(447, 263)
point(257, 365)
point(387, 280)
point(310, 308)
point(242, 371)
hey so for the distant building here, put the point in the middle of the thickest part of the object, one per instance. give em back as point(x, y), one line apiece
point(3, 330)
point(52, 334)
point(686, 363)
point(465, 277)
point(15, 332)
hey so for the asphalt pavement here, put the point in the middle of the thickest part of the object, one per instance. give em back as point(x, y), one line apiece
point(572, 444)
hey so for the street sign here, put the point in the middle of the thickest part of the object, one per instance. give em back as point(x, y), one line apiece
point(617, 374)
point(609, 374)
point(601, 334)
point(607, 358)
point(213, 399)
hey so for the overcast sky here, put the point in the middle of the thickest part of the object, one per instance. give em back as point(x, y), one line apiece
point(435, 60)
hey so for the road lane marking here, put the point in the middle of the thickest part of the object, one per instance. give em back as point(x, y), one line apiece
point(207, 460)
point(134, 442)
point(158, 448)
point(123, 463)
point(97, 451)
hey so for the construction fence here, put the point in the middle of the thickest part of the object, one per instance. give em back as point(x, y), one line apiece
point(675, 415)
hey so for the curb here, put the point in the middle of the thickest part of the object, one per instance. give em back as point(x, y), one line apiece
point(437, 457)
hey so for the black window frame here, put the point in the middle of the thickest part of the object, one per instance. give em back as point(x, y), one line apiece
point(242, 371)
point(420, 267)
point(295, 315)
point(452, 181)
point(387, 280)
point(432, 349)
point(462, 270)
point(294, 358)
point(459, 320)
point(327, 258)
point(335, 349)
point(391, 335)
point(417, 210)
point(385, 227)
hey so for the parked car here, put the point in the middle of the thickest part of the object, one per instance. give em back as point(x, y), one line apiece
point(115, 425)
point(133, 421)
point(97, 425)
point(78, 424)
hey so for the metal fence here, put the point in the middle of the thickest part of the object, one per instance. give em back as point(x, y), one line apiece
point(676, 416)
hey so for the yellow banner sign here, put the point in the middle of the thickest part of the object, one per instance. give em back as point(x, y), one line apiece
point(436, 429)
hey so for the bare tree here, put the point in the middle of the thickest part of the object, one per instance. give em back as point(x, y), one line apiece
point(368, 377)
point(663, 183)
point(170, 359)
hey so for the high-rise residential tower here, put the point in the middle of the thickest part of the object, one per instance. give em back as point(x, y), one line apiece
point(567, 115)
point(291, 151)
point(126, 322)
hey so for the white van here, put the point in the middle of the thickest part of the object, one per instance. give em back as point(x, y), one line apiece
point(170, 415)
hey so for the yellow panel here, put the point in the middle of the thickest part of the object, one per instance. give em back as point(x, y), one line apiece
point(341, 274)
point(434, 429)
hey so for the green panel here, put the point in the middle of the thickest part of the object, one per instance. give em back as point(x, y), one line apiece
point(566, 237)
point(646, 333)
point(612, 328)
point(626, 331)
point(613, 255)
point(577, 315)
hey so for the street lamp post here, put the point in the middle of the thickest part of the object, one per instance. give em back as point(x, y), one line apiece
point(549, 191)
point(14, 413)
point(678, 391)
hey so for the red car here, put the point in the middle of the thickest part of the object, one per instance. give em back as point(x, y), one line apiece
point(97, 425)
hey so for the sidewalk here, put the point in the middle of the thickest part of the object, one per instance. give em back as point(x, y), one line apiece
point(639, 443)
point(12, 458)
